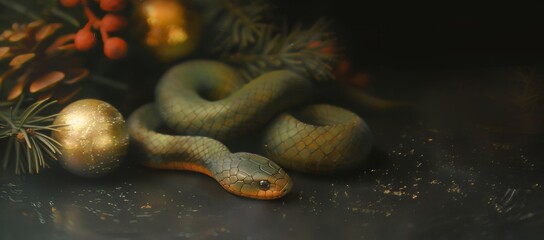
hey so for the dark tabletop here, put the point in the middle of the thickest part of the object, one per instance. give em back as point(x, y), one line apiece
point(442, 169)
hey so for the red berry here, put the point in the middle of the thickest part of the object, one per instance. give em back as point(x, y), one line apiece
point(84, 40)
point(113, 22)
point(115, 48)
point(69, 3)
point(112, 5)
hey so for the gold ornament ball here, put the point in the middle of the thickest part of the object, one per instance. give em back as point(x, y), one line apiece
point(170, 29)
point(94, 137)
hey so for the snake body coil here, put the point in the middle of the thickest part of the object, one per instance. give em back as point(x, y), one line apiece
point(206, 101)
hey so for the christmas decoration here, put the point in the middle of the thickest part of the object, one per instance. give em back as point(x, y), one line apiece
point(300, 50)
point(26, 134)
point(238, 23)
point(247, 41)
point(169, 28)
point(85, 40)
point(39, 61)
point(93, 139)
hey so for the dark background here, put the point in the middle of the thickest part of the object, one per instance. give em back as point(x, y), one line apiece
point(440, 35)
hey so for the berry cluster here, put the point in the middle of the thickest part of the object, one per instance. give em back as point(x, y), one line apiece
point(114, 47)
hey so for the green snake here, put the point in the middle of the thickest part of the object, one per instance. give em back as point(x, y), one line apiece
point(207, 102)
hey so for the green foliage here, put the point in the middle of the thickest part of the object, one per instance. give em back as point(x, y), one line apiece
point(246, 41)
point(239, 23)
point(300, 50)
point(25, 135)
point(24, 131)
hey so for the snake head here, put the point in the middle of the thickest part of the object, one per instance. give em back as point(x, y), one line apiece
point(254, 176)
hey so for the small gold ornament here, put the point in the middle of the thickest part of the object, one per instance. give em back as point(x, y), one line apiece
point(169, 28)
point(94, 139)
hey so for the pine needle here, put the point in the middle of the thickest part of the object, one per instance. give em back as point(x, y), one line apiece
point(300, 50)
point(27, 132)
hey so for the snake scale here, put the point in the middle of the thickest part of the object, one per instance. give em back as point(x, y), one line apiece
point(206, 102)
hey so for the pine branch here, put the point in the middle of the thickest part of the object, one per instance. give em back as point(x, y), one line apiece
point(305, 51)
point(239, 23)
point(25, 135)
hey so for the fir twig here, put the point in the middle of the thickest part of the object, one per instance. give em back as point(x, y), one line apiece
point(301, 50)
point(25, 133)
point(240, 23)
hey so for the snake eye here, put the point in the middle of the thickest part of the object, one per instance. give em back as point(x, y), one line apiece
point(264, 185)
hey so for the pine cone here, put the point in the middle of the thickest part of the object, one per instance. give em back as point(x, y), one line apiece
point(40, 63)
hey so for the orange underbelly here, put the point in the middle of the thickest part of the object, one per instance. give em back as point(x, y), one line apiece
point(187, 166)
